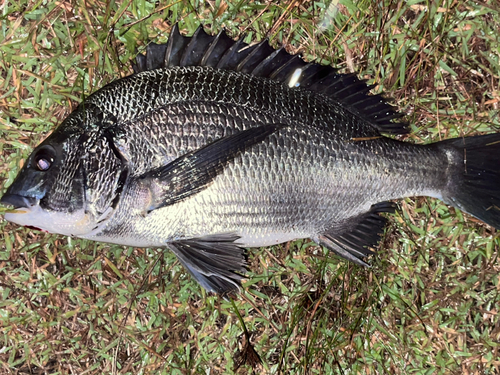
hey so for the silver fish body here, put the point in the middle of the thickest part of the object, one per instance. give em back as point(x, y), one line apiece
point(204, 161)
point(281, 188)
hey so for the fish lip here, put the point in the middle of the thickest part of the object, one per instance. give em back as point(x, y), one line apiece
point(18, 201)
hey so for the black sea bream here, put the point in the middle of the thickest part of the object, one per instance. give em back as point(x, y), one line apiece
point(213, 145)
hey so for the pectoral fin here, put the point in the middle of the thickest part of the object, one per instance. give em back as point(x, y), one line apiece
point(194, 171)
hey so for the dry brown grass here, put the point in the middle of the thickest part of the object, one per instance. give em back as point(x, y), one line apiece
point(429, 304)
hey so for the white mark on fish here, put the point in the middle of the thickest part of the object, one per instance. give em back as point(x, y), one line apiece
point(294, 79)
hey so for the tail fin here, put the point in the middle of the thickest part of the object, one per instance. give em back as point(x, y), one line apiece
point(475, 186)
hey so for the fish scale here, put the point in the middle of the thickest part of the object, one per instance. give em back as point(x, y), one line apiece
point(205, 84)
point(293, 175)
point(214, 145)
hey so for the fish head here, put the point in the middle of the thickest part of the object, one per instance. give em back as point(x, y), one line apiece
point(55, 189)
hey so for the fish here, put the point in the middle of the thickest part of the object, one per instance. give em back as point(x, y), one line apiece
point(213, 146)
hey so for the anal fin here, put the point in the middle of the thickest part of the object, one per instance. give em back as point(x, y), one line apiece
point(354, 244)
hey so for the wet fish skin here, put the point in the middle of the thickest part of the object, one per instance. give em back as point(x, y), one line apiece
point(188, 132)
point(205, 161)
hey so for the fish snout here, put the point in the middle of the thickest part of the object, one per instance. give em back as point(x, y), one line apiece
point(18, 201)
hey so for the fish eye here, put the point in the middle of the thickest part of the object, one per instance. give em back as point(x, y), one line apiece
point(44, 158)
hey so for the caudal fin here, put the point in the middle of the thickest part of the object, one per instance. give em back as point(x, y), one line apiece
point(475, 183)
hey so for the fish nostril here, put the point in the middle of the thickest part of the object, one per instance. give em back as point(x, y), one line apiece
point(18, 201)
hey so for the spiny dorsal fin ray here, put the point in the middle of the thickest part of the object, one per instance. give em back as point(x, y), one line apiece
point(262, 60)
point(221, 43)
point(259, 53)
point(235, 54)
point(275, 60)
point(196, 49)
point(364, 232)
point(154, 56)
point(175, 46)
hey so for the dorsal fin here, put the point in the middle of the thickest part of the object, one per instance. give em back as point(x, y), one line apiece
point(221, 43)
point(262, 60)
point(195, 50)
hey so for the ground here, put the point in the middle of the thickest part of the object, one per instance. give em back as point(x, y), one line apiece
point(428, 304)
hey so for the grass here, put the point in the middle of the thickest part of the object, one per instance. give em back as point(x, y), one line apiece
point(430, 303)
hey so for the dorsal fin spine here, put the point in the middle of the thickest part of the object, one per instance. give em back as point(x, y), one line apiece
point(226, 57)
point(217, 43)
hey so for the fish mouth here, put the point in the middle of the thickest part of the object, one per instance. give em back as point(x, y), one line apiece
point(18, 201)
